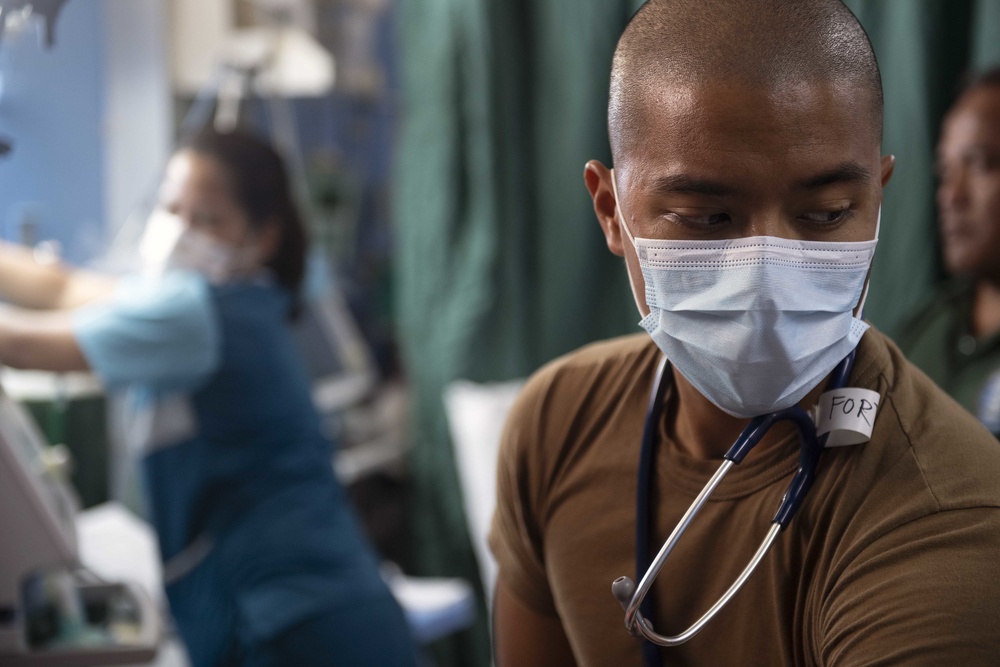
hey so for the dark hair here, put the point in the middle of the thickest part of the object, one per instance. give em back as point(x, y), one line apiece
point(260, 184)
point(973, 80)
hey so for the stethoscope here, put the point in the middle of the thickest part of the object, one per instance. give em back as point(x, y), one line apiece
point(638, 606)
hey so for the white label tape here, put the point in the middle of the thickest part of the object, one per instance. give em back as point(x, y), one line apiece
point(848, 415)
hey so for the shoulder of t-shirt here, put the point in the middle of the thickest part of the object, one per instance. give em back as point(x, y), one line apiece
point(604, 354)
point(570, 375)
point(574, 387)
point(557, 403)
point(957, 458)
point(920, 501)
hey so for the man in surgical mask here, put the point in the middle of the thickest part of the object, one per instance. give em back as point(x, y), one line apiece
point(745, 199)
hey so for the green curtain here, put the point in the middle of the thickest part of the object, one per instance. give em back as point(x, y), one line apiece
point(924, 47)
point(504, 103)
point(501, 265)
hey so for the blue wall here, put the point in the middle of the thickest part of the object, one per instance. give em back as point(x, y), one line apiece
point(51, 110)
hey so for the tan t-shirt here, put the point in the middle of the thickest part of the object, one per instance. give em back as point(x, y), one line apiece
point(894, 557)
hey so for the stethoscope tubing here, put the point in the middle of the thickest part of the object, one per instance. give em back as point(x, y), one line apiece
point(633, 599)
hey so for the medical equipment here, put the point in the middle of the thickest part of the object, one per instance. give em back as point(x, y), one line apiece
point(52, 611)
point(46, 10)
point(335, 353)
point(635, 601)
point(17, 14)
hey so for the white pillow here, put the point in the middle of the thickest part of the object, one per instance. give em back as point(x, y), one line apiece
point(476, 416)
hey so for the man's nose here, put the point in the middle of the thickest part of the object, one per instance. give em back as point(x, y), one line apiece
point(953, 190)
point(774, 222)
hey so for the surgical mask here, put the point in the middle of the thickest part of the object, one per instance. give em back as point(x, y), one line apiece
point(167, 243)
point(754, 324)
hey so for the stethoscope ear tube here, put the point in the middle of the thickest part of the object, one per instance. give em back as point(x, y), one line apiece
point(810, 450)
point(654, 409)
point(810, 447)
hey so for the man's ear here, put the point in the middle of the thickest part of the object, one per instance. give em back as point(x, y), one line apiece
point(888, 166)
point(598, 180)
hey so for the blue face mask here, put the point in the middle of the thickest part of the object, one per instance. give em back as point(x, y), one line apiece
point(754, 324)
point(167, 244)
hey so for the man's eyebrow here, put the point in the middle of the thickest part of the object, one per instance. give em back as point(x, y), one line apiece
point(979, 151)
point(848, 172)
point(683, 184)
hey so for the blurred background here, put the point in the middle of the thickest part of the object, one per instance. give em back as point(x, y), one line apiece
point(438, 148)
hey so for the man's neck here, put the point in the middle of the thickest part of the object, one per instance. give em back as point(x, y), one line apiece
point(986, 309)
point(703, 431)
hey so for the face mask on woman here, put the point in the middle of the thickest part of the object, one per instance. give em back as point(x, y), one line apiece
point(167, 244)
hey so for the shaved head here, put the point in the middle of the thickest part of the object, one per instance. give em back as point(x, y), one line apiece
point(673, 45)
point(732, 119)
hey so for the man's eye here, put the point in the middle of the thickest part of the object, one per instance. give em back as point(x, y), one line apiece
point(984, 163)
point(204, 220)
point(826, 217)
point(712, 220)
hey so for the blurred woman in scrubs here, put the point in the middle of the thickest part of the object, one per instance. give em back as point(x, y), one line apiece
point(264, 563)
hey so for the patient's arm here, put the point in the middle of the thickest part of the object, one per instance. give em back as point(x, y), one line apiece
point(28, 283)
point(39, 340)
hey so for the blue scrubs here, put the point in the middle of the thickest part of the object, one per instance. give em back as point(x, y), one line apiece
point(259, 545)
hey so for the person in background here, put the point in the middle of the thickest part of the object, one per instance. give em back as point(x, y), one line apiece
point(264, 563)
point(955, 337)
point(745, 200)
